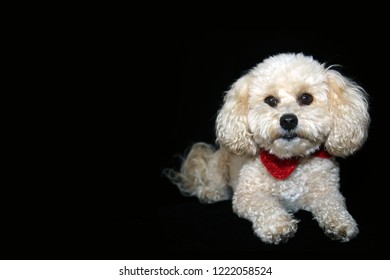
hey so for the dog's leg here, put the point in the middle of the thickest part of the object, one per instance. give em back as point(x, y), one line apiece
point(271, 222)
point(332, 215)
point(204, 174)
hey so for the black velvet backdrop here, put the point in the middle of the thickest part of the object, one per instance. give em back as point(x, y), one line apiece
point(138, 99)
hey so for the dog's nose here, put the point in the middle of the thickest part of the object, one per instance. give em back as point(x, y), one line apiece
point(288, 121)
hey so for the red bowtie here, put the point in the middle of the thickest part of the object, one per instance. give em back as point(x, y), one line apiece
point(283, 168)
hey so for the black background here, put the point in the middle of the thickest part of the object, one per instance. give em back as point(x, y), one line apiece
point(135, 100)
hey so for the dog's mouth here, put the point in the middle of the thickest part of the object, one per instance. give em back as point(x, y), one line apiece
point(289, 136)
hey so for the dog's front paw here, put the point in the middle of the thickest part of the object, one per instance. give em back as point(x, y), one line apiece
point(276, 231)
point(342, 232)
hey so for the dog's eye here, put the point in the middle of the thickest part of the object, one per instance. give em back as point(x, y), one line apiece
point(271, 101)
point(305, 99)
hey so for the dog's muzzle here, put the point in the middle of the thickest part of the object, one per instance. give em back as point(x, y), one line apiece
point(289, 122)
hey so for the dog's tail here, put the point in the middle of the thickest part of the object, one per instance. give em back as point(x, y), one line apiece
point(204, 174)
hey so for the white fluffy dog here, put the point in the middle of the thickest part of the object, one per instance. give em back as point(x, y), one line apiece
point(280, 128)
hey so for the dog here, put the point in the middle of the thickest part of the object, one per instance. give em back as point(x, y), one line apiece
point(280, 129)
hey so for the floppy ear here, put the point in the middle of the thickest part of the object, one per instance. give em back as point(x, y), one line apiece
point(232, 123)
point(349, 110)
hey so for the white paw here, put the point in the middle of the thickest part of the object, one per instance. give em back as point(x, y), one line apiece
point(343, 232)
point(276, 231)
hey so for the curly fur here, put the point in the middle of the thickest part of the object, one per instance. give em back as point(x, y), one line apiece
point(336, 119)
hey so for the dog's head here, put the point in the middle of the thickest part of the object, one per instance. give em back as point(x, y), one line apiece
point(290, 105)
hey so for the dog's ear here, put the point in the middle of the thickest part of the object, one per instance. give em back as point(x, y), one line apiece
point(232, 122)
point(349, 110)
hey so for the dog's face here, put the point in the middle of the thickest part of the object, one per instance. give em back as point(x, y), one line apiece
point(290, 105)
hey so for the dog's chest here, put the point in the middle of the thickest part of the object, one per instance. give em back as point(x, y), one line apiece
point(295, 186)
point(290, 191)
point(310, 176)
